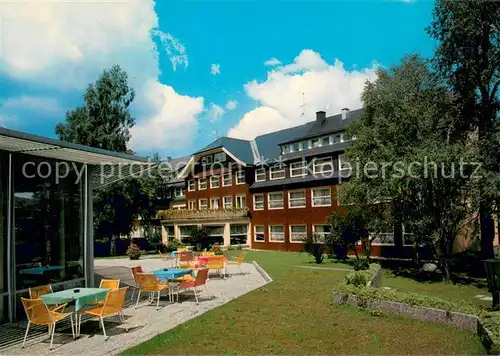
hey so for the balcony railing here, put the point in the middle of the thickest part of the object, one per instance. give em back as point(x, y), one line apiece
point(203, 214)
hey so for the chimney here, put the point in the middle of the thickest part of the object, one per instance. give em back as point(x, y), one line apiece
point(320, 116)
point(345, 112)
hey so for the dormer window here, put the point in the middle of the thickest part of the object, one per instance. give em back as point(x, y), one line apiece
point(337, 138)
point(240, 177)
point(260, 174)
point(315, 142)
point(277, 172)
point(296, 146)
point(325, 141)
point(220, 157)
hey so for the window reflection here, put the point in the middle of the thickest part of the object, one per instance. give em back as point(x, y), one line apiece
point(48, 226)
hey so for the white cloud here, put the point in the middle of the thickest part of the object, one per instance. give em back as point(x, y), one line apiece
point(215, 69)
point(272, 62)
point(231, 104)
point(48, 105)
point(215, 112)
point(325, 86)
point(68, 44)
point(173, 122)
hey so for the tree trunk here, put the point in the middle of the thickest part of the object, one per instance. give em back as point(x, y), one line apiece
point(487, 230)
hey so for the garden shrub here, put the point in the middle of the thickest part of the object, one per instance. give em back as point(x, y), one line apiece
point(357, 279)
point(173, 245)
point(361, 264)
point(217, 250)
point(134, 252)
point(313, 245)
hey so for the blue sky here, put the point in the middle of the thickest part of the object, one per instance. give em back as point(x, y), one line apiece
point(183, 107)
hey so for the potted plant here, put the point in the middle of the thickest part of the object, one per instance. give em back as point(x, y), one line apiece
point(133, 252)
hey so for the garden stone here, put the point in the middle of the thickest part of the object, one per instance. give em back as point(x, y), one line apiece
point(429, 267)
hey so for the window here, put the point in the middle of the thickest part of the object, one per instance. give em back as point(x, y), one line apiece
point(238, 234)
point(296, 146)
point(298, 233)
point(192, 205)
point(323, 165)
point(227, 180)
point(179, 192)
point(215, 203)
point(276, 233)
point(219, 157)
point(203, 204)
point(228, 202)
point(260, 174)
point(191, 186)
point(275, 200)
point(321, 197)
point(259, 233)
point(214, 182)
point(277, 172)
point(314, 142)
point(241, 201)
point(322, 231)
point(258, 202)
point(206, 160)
point(298, 169)
point(304, 145)
point(325, 141)
point(202, 184)
point(285, 149)
point(240, 177)
point(297, 199)
point(337, 138)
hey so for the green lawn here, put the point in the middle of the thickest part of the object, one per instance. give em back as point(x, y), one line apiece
point(295, 315)
point(448, 291)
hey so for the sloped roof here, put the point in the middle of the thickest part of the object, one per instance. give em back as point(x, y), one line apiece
point(240, 148)
point(329, 125)
point(269, 144)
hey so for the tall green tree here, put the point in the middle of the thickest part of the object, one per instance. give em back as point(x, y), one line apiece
point(104, 122)
point(104, 119)
point(468, 59)
point(404, 155)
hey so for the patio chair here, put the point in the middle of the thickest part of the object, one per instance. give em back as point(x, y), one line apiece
point(200, 280)
point(237, 261)
point(135, 270)
point(148, 283)
point(186, 259)
point(113, 305)
point(37, 292)
point(217, 263)
point(38, 313)
point(205, 253)
point(112, 284)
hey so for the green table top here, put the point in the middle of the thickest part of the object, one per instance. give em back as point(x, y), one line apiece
point(85, 296)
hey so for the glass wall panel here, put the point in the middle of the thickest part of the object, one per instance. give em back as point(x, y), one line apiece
point(48, 218)
point(4, 161)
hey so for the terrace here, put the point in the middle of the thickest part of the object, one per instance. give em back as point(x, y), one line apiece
point(203, 214)
point(143, 323)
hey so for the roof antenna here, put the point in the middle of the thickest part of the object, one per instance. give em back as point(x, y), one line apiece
point(303, 106)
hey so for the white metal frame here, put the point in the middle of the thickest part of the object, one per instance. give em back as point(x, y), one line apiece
point(282, 169)
point(212, 186)
point(230, 179)
point(237, 202)
point(224, 201)
point(290, 234)
point(199, 183)
point(290, 199)
point(315, 232)
point(193, 188)
point(330, 162)
point(263, 201)
point(200, 205)
point(303, 168)
point(237, 177)
point(270, 234)
point(269, 201)
point(260, 171)
point(255, 233)
point(312, 197)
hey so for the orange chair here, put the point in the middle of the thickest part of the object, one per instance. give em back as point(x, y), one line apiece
point(148, 283)
point(38, 313)
point(37, 292)
point(186, 259)
point(200, 280)
point(113, 305)
point(135, 270)
point(112, 284)
point(217, 263)
point(237, 261)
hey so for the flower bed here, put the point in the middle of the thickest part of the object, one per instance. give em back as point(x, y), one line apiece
point(464, 315)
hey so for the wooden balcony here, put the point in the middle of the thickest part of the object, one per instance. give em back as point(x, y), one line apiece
point(203, 214)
